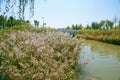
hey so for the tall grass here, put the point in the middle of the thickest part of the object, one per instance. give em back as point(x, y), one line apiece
point(33, 54)
point(109, 36)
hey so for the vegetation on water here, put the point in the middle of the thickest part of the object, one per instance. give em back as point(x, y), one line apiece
point(108, 36)
point(32, 53)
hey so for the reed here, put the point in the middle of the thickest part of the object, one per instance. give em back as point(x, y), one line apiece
point(32, 54)
point(109, 36)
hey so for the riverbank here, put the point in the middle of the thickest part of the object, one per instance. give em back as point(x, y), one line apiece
point(38, 54)
point(108, 36)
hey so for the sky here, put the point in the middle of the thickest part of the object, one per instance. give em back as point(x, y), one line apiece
point(63, 13)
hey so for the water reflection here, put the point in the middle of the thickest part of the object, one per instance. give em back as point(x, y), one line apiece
point(100, 61)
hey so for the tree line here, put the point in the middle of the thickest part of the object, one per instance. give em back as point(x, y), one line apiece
point(7, 22)
point(103, 24)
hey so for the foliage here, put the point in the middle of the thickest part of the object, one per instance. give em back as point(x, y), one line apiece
point(10, 22)
point(74, 27)
point(95, 25)
point(28, 54)
point(2, 21)
point(102, 25)
point(36, 23)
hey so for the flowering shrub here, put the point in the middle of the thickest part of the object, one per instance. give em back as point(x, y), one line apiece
point(26, 55)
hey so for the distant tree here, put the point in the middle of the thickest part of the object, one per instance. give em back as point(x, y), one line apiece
point(68, 27)
point(110, 24)
point(101, 23)
point(106, 24)
point(115, 21)
point(88, 27)
point(76, 27)
point(73, 26)
point(95, 25)
point(79, 27)
point(28, 21)
point(36, 23)
point(119, 24)
point(11, 21)
point(2, 21)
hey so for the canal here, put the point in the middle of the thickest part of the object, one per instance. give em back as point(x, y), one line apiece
point(99, 61)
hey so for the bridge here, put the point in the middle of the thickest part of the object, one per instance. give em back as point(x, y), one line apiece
point(71, 32)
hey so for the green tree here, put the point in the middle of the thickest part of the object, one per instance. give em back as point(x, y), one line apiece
point(119, 24)
point(11, 21)
point(101, 24)
point(80, 27)
point(110, 24)
point(107, 24)
point(88, 27)
point(95, 25)
point(2, 21)
point(73, 26)
point(76, 27)
point(36, 23)
point(68, 27)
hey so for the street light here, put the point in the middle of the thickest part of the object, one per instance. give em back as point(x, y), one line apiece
point(43, 21)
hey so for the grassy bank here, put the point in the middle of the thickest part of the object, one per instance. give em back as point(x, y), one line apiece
point(28, 53)
point(108, 36)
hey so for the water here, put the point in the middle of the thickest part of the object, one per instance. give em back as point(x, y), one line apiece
point(100, 61)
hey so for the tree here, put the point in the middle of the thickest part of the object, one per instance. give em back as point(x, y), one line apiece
point(28, 21)
point(76, 27)
point(11, 21)
point(119, 24)
point(95, 25)
point(2, 21)
point(101, 24)
point(36, 23)
point(73, 26)
point(68, 27)
point(106, 24)
point(88, 27)
point(109, 23)
point(115, 21)
point(79, 27)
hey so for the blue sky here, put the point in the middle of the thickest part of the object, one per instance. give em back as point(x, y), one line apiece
point(62, 13)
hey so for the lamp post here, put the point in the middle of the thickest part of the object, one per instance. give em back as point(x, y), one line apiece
point(43, 21)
